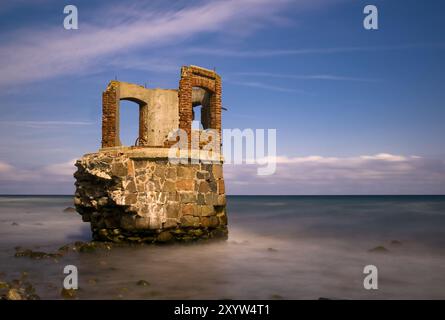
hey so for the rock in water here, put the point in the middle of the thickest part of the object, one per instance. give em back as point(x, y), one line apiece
point(69, 209)
point(68, 293)
point(13, 294)
point(143, 283)
point(379, 249)
point(165, 236)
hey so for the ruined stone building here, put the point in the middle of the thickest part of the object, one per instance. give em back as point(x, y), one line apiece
point(136, 193)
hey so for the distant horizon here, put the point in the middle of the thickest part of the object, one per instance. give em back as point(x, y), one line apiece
point(262, 195)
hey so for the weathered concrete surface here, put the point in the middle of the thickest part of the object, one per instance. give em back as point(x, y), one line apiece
point(162, 116)
point(158, 111)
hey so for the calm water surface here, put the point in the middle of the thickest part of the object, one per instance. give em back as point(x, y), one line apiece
point(284, 247)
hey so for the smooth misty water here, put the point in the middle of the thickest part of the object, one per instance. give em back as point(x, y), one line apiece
point(289, 247)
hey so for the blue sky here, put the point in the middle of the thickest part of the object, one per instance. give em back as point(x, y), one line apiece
point(356, 111)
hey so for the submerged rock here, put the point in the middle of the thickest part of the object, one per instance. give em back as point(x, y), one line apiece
point(68, 293)
point(17, 290)
point(4, 285)
point(87, 247)
point(143, 283)
point(165, 236)
point(35, 254)
point(29, 253)
point(69, 209)
point(379, 249)
point(13, 294)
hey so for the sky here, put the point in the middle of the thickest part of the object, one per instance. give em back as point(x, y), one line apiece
point(356, 111)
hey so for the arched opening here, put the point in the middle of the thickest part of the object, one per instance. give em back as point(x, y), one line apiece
point(201, 98)
point(196, 122)
point(118, 112)
point(129, 122)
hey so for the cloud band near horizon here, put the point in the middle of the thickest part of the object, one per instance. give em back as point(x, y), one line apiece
point(312, 175)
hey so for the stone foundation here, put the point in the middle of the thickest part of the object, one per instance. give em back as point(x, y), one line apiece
point(137, 195)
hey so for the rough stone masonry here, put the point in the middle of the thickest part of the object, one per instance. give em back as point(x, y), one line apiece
point(135, 193)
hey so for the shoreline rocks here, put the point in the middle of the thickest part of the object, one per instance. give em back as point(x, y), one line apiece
point(17, 289)
point(20, 252)
point(118, 235)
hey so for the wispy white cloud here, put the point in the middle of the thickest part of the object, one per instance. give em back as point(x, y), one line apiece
point(47, 52)
point(10, 173)
point(168, 64)
point(45, 124)
point(56, 178)
point(328, 77)
point(265, 53)
point(382, 173)
point(57, 172)
point(5, 167)
point(260, 85)
point(64, 169)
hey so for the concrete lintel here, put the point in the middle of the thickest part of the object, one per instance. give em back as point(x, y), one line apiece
point(160, 153)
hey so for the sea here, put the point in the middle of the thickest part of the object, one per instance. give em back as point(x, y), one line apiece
point(279, 247)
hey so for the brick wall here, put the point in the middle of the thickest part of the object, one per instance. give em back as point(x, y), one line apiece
point(143, 110)
point(110, 116)
point(197, 77)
